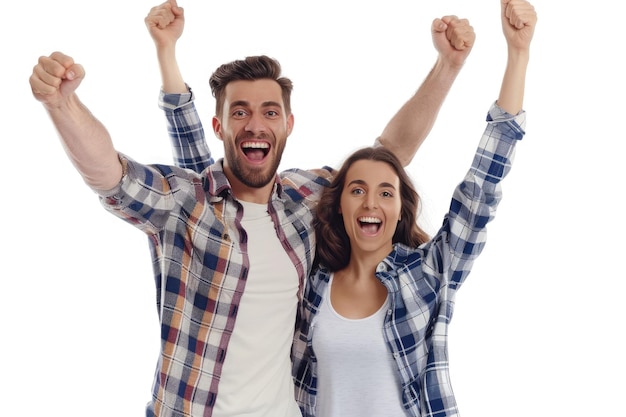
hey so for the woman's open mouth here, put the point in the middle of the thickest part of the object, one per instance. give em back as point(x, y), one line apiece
point(370, 225)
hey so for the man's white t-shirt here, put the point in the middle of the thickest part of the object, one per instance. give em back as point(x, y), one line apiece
point(256, 376)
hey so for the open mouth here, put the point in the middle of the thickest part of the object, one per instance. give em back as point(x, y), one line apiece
point(255, 151)
point(370, 225)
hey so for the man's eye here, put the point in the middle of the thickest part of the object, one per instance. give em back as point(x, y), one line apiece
point(239, 113)
point(272, 113)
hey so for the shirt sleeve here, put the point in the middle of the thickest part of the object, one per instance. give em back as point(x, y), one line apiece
point(451, 253)
point(148, 195)
point(189, 147)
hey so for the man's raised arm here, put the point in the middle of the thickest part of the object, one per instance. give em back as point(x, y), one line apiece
point(88, 144)
point(165, 24)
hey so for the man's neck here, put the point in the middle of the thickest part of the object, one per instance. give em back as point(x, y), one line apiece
point(250, 194)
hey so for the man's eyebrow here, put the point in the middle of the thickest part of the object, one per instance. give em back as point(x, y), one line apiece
point(242, 103)
point(271, 104)
point(245, 103)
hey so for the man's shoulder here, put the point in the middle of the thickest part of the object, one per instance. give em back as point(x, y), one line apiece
point(320, 175)
point(305, 182)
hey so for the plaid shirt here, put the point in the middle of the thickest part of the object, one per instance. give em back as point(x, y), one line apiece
point(422, 284)
point(199, 255)
point(189, 147)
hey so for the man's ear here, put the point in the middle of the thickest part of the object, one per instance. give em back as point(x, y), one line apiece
point(290, 121)
point(217, 128)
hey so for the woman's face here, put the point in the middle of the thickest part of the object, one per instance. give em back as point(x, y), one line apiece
point(370, 206)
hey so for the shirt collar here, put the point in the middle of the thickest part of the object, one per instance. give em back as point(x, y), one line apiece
point(395, 260)
point(217, 185)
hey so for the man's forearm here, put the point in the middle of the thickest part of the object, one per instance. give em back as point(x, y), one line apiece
point(171, 77)
point(87, 143)
point(408, 128)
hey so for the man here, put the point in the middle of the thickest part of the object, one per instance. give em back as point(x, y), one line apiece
point(233, 244)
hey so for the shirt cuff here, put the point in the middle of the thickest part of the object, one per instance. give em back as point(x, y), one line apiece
point(511, 125)
point(174, 101)
point(107, 194)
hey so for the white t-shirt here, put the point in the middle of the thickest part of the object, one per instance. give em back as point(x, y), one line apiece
point(357, 375)
point(256, 377)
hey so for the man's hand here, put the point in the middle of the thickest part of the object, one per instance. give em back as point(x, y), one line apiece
point(518, 23)
point(86, 141)
point(165, 23)
point(55, 78)
point(453, 39)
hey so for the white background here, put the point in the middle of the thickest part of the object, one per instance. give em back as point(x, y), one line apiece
point(538, 327)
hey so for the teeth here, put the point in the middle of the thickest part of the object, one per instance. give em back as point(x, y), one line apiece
point(257, 145)
point(369, 220)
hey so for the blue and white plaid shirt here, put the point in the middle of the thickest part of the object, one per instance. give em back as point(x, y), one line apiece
point(422, 283)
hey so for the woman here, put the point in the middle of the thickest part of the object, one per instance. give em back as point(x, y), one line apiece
point(372, 338)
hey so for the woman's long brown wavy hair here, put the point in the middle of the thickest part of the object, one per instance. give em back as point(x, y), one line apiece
point(333, 244)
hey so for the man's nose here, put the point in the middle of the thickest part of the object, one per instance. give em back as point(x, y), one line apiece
point(256, 124)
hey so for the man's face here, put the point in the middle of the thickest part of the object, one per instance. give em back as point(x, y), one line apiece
point(254, 127)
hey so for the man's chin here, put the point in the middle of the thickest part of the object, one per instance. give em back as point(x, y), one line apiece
point(256, 179)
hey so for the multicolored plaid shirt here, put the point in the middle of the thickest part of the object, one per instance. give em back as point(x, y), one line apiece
point(422, 284)
point(199, 254)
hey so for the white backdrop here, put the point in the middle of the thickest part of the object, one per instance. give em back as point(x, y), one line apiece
point(538, 326)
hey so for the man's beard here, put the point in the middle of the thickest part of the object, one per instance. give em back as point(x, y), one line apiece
point(252, 177)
